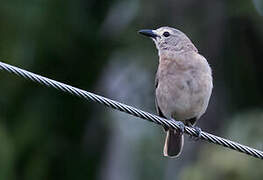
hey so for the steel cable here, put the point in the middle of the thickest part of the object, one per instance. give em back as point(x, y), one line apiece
point(130, 110)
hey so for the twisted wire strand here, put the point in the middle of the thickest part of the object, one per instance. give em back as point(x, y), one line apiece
point(130, 110)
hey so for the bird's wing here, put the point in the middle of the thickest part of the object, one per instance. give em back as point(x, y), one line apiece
point(158, 110)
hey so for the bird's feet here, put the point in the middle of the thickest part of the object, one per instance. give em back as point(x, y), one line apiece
point(181, 126)
point(198, 132)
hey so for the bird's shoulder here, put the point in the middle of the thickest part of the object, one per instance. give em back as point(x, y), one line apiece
point(170, 62)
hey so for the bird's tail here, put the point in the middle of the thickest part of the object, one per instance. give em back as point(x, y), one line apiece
point(173, 143)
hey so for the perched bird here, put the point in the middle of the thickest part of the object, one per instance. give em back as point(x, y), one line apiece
point(183, 83)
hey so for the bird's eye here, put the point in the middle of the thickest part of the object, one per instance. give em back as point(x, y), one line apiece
point(166, 34)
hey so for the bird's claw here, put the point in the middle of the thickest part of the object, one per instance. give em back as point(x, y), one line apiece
point(198, 132)
point(181, 126)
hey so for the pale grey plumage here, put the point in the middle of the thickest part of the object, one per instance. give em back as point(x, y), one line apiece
point(183, 82)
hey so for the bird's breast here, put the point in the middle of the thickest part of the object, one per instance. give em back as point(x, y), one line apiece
point(183, 91)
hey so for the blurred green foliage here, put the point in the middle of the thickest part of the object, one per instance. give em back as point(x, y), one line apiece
point(219, 163)
point(46, 134)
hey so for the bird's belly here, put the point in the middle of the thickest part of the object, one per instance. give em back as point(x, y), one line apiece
point(183, 98)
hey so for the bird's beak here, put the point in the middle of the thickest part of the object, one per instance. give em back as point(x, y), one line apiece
point(148, 32)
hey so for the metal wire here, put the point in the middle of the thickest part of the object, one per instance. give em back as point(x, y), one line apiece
point(130, 110)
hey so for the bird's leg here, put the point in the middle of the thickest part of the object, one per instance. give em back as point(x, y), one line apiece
point(197, 129)
point(181, 125)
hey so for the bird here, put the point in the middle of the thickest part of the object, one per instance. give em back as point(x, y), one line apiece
point(183, 84)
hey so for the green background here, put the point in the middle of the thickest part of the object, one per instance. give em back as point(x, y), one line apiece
point(94, 45)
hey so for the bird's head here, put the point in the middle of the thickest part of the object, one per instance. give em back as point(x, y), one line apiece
point(169, 39)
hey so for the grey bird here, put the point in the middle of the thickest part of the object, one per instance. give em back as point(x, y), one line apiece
point(183, 83)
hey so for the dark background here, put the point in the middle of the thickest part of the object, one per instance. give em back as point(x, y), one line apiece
point(94, 45)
